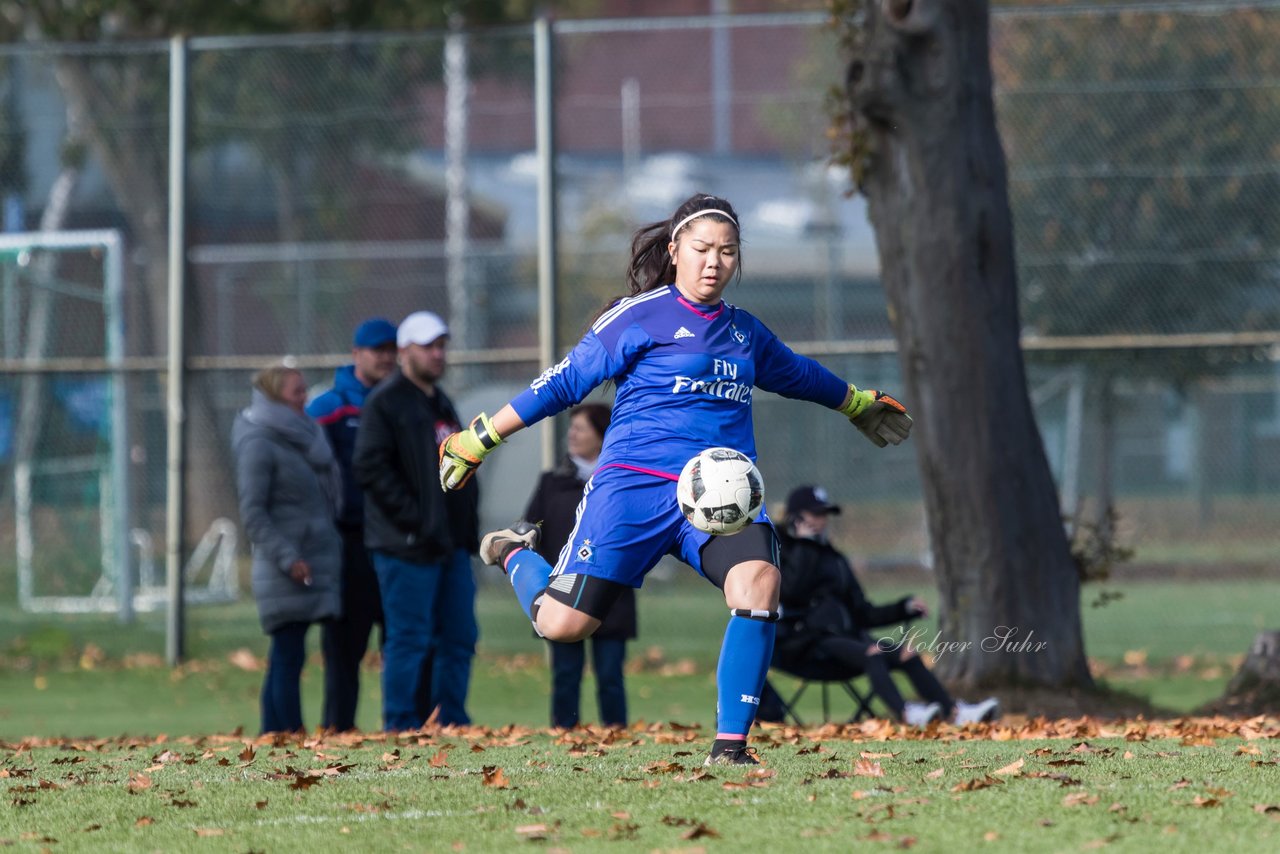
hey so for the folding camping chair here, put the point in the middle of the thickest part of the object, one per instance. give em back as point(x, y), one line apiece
point(825, 674)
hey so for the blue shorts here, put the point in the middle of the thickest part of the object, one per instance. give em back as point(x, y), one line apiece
point(626, 522)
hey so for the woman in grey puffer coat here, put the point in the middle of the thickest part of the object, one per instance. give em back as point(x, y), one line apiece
point(289, 486)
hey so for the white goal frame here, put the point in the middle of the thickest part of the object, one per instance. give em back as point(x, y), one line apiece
point(117, 575)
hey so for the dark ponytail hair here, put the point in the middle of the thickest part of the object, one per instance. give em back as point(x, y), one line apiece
point(651, 265)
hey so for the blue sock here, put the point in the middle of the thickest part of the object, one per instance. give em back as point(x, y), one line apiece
point(744, 662)
point(529, 575)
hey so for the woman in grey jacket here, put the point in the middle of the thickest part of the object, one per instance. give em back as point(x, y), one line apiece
point(289, 486)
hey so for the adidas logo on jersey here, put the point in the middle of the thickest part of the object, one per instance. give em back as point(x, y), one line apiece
point(683, 333)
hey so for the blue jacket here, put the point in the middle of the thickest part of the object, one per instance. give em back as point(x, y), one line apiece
point(684, 375)
point(338, 412)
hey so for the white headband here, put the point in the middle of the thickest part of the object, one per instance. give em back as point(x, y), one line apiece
point(682, 223)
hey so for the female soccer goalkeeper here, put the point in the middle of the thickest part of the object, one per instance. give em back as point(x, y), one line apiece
point(684, 363)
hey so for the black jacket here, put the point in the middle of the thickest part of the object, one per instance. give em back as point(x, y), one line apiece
point(821, 596)
point(554, 503)
point(397, 465)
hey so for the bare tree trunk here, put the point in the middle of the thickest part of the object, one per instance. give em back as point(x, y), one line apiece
point(919, 85)
point(1106, 415)
point(1255, 688)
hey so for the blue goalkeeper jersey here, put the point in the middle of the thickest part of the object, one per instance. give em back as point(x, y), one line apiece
point(684, 375)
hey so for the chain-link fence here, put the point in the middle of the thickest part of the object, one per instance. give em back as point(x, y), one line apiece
point(335, 177)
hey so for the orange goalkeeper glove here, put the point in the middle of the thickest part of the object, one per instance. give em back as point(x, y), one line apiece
point(877, 416)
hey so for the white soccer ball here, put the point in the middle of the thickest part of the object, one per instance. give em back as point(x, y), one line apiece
point(720, 491)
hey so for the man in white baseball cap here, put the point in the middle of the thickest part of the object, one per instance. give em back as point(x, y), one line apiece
point(421, 328)
point(421, 539)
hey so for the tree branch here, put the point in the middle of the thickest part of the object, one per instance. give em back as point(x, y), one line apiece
point(915, 17)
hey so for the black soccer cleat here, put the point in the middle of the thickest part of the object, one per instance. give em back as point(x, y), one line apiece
point(726, 751)
point(498, 545)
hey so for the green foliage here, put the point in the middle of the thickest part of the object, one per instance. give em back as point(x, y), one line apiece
point(1138, 150)
point(1139, 176)
point(850, 140)
point(118, 20)
point(1094, 547)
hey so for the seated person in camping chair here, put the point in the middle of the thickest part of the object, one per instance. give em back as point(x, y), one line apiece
point(826, 619)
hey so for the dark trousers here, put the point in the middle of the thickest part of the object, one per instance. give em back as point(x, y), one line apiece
point(282, 685)
point(852, 651)
point(567, 661)
point(345, 640)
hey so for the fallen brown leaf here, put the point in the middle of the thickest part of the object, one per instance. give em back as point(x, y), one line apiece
point(864, 768)
point(494, 777)
point(1095, 844)
point(533, 831)
point(1200, 801)
point(976, 784)
point(1011, 770)
point(623, 830)
point(663, 768)
point(699, 831)
point(244, 659)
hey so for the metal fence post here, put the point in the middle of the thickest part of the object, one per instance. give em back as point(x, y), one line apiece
point(175, 398)
point(457, 211)
point(544, 123)
point(121, 480)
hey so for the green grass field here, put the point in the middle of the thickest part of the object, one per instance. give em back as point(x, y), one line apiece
point(1175, 643)
point(102, 748)
point(645, 790)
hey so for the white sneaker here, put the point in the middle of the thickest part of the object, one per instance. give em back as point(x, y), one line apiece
point(921, 714)
point(981, 712)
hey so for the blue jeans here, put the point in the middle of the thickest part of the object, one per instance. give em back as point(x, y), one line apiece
point(567, 660)
point(429, 610)
point(281, 686)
